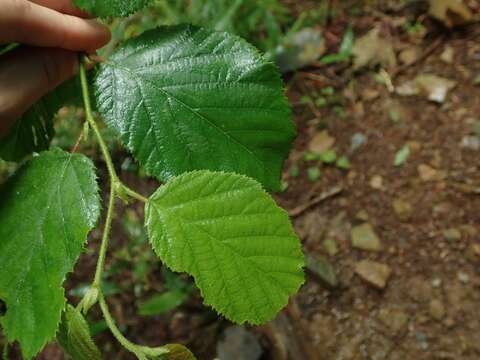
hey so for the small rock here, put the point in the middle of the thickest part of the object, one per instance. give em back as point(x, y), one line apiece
point(239, 344)
point(321, 267)
point(321, 142)
point(434, 87)
point(362, 215)
point(437, 282)
point(436, 309)
point(330, 246)
point(358, 139)
point(374, 273)
point(421, 340)
point(428, 173)
point(394, 319)
point(365, 238)
point(463, 277)
point(471, 142)
point(402, 209)
point(376, 182)
point(452, 234)
point(447, 55)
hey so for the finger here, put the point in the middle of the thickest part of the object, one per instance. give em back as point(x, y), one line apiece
point(63, 6)
point(28, 74)
point(28, 23)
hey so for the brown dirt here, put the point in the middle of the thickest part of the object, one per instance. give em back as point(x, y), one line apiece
point(430, 273)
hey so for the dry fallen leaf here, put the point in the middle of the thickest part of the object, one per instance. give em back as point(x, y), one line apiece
point(321, 142)
point(371, 49)
point(434, 87)
point(450, 12)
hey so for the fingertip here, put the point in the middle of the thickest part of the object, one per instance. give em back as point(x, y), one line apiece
point(100, 35)
point(103, 33)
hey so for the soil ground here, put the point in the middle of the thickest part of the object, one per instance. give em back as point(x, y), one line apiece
point(426, 214)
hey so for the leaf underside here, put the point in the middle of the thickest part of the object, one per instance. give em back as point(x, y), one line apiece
point(229, 234)
point(46, 212)
point(184, 98)
point(34, 130)
point(75, 338)
point(111, 8)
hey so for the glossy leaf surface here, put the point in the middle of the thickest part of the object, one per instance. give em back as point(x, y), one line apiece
point(184, 98)
point(111, 8)
point(74, 336)
point(46, 212)
point(227, 232)
point(34, 130)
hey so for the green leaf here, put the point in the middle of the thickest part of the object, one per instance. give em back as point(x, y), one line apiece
point(228, 233)
point(46, 212)
point(343, 163)
point(184, 98)
point(74, 336)
point(402, 155)
point(111, 8)
point(162, 303)
point(34, 130)
point(177, 352)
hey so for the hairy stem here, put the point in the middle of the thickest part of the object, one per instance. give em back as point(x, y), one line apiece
point(105, 239)
point(127, 344)
point(93, 124)
point(117, 188)
point(133, 193)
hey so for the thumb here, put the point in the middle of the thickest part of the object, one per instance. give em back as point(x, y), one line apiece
point(26, 75)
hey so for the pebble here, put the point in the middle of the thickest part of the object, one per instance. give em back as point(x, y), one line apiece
point(374, 273)
point(463, 277)
point(452, 234)
point(437, 282)
point(330, 246)
point(403, 209)
point(471, 142)
point(447, 55)
point(436, 309)
point(321, 267)
point(428, 173)
point(376, 182)
point(365, 238)
point(239, 344)
point(421, 340)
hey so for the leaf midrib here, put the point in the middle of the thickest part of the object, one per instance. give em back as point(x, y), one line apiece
point(189, 108)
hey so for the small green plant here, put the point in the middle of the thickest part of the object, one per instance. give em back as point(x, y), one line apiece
point(203, 112)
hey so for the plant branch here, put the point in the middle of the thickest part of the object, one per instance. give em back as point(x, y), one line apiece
point(93, 124)
point(127, 344)
point(133, 193)
point(117, 188)
point(105, 239)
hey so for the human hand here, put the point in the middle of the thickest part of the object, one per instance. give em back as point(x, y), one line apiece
point(54, 31)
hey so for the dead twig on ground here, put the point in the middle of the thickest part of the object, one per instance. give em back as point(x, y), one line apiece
point(430, 50)
point(299, 210)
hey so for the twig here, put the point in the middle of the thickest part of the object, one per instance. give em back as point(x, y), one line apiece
point(430, 50)
point(466, 188)
point(299, 210)
point(77, 143)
